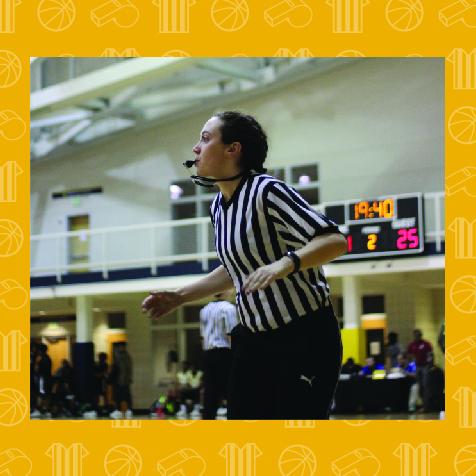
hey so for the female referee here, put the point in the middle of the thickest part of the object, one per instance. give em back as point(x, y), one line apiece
point(287, 349)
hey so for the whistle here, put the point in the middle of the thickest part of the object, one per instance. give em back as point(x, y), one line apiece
point(455, 12)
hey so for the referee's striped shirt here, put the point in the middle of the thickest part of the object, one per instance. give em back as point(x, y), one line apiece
point(217, 320)
point(263, 220)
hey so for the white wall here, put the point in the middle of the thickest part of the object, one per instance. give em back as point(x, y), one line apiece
point(375, 127)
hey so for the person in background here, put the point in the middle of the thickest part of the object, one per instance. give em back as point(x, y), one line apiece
point(368, 369)
point(217, 319)
point(419, 349)
point(43, 372)
point(62, 389)
point(392, 349)
point(101, 378)
point(434, 387)
point(350, 368)
point(407, 368)
point(122, 371)
point(195, 383)
point(34, 381)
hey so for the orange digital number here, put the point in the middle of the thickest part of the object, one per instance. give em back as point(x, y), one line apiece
point(372, 242)
point(388, 208)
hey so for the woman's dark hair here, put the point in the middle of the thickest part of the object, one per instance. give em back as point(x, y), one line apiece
point(245, 129)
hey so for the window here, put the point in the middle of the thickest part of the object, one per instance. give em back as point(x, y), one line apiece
point(116, 320)
point(304, 174)
point(373, 304)
point(305, 179)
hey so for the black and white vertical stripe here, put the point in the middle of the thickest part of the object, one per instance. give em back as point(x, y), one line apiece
point(217, 320)
point(263, 220)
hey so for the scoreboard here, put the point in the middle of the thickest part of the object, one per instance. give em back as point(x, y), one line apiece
point(391, 225)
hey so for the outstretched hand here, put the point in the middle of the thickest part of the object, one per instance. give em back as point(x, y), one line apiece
point(160, 303)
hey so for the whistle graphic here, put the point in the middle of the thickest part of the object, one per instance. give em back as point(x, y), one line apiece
point(360, 462)
point(296, 12)
point(186, 462)
point(12, 295)
point(463, 350)
point(14, 462)
point(458, 11)
point(458, 181)
point(121, 12)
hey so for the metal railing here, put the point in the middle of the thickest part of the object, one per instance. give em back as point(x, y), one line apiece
point(163, 243)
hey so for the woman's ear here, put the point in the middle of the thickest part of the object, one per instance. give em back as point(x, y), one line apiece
point(234, 148)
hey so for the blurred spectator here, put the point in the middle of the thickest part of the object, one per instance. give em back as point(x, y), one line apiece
point(62, 390)
point(350, 367)
point(368, 369)
point(441, 338)
point(122, 379)
point(189, 382)
point(420, 349)
point(217, 319)
point(42, 370)
point(392, 349)
point(34, 380)
point(405, 365)
point(434, 387)
point(101, 380)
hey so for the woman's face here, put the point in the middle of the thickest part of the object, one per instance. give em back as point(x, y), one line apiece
point(211, 153)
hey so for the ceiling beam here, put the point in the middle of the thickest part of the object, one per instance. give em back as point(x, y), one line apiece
point(105, 82)
point(221, 66)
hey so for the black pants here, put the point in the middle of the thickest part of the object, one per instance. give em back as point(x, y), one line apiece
point(287, 373)
point(123, 394)
point(216, 372)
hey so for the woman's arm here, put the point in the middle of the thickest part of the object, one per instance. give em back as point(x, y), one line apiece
point(214, 282)
point(320, 250)
point(159, 303)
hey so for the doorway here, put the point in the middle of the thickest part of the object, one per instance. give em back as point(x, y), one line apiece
point(78, 246)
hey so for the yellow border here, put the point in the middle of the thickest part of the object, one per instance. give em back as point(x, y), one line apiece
point(226, 28)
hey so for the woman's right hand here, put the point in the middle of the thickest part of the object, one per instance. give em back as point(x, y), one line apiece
point(160, 303)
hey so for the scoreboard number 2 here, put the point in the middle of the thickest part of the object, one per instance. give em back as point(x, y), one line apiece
point(372, 242)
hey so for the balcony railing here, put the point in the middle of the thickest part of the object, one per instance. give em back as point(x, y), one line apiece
point(164, 243)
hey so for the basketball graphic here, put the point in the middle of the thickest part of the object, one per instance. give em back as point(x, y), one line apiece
point(230, 15)
point(12, 126)
point(297, 460)
point(462, 125)
point(122, 460)
point(356, 422)
point(12, 295)
point(56, 15)
point(182, 422)
point(465, 461)
point(10, 68)
point(13, 407)
point(404, 15)
point(350, 54)
point(463, 294)
point(11, 238)
point(177, 54)
point(14, 462)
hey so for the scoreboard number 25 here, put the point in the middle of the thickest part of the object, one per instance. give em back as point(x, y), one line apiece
point(407, 238)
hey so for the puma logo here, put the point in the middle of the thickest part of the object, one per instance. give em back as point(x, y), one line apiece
point(307, 379)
